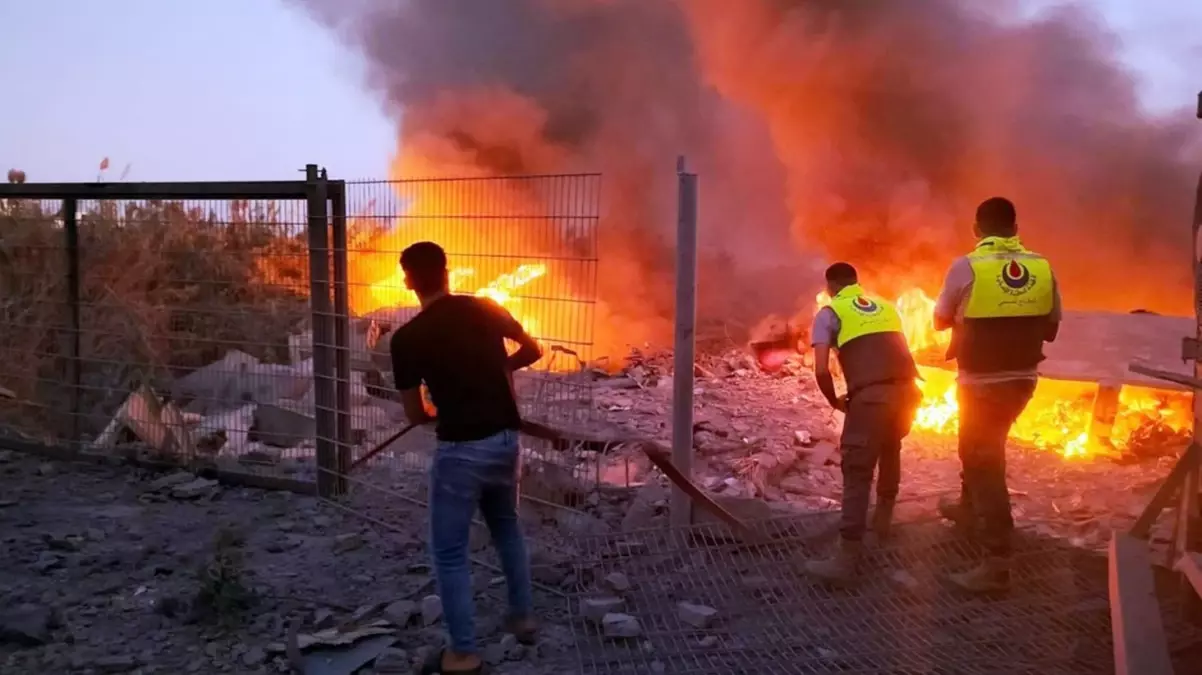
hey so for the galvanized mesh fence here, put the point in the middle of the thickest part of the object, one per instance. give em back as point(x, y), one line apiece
point(172, 343)
point(527, 243)
point(697, 601)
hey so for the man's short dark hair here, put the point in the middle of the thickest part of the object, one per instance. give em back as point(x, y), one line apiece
point(842, 273)
point(425, 264)
point(997, 217)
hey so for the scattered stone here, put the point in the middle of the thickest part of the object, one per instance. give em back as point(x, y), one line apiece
point(392, 661)
point(170, 480)
point(514, 650)
point(595, 609)
point(431, 609)
point(619, 625)
point(697, 616)
point(47, 561)
point(617, 582)
point(803, 438)
point(45, 469)
point(323, 618)
point(401, 612)
point(26, 626)
point(345, 543)
point(905, 579)
point(200, 487)
point(708, 641)
point(253, 657)
point(115, 664)
point(6, 456)
point(494, 654)
point(796, 485)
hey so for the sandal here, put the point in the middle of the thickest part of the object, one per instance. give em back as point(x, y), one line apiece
point(433, 666)
point(525, 632)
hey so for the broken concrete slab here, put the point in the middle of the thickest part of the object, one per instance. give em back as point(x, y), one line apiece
point(346, 660)
point(284, 425)
point(194, 489)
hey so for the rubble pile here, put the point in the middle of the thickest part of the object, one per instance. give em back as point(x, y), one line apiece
point(770, 438)
point(239, 409)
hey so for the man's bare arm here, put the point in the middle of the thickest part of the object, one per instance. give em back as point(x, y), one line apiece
point(956, 284)
point(529, 351)
point(415, 407)
point(1053, 325)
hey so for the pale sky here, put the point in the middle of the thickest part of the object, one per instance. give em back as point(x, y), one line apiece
point(251, 89)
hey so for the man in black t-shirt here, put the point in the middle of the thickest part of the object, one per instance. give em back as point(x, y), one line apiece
point(456, 347)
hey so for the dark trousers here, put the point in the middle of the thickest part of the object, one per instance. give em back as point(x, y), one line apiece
point(878, 418)
point(987, 411)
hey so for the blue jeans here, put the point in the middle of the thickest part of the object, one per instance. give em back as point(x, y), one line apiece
point(463, 476)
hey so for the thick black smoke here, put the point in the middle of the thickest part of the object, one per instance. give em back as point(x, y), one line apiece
point(865, 130)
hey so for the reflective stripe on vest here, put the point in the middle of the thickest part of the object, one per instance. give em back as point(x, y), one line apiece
point(861, 315)
point(1008, 281)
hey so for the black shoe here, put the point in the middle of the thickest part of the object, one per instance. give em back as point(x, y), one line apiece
point(882, 520)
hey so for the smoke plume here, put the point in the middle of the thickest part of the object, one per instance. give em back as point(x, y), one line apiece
point(862, 130)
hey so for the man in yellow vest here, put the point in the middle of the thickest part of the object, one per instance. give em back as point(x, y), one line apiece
point(880, 404)
point(1002, 304)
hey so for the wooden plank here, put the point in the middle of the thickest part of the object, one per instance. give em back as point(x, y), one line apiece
point(1165, 493)
point(1105, 407)
point(1097, 346)
point(1140, 646)
point(1190, 566)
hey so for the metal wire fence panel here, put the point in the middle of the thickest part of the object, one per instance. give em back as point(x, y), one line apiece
point(36, 319)
point(160, 329)
point(528, 243)
point(694, 601)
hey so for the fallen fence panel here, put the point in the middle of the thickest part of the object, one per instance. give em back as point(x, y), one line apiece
point(1140, 646)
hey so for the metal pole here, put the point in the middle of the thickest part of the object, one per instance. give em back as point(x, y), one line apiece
point(1191, 528)
point(71, 229)
point(686, 320)
point(342, 331)
point(323, 333)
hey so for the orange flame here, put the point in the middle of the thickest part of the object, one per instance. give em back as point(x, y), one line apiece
point(1060, 413)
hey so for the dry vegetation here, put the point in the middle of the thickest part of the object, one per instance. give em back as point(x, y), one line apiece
point(165, 287)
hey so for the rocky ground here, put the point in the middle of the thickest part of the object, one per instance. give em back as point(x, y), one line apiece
point(773, 437)
point(110, 570)
point(106, 569)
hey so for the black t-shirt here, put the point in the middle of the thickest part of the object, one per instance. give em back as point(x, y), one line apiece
point(457, 347)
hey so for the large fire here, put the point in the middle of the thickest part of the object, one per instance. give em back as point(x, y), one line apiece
point(499, 246)
point(391, 292)
point(1059, 415)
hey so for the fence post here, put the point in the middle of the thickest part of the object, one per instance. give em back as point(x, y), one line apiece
point(686, 320)
point(1191, 526)
point(323, 337)
point(342, 314)
point(75, 374)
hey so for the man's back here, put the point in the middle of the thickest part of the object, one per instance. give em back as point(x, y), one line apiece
point(456, 346)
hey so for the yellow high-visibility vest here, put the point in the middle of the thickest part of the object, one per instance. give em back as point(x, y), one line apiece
point(860, 314)
point(1008, 281)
